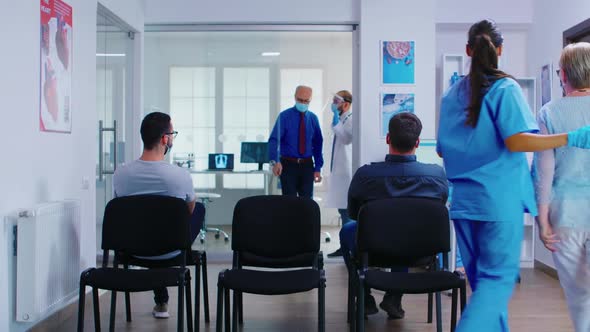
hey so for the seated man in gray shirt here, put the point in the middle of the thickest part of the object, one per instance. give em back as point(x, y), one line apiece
point(150, 174)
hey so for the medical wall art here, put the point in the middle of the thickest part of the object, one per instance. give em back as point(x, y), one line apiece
point(392, 104)
point(545, 84)
point(397, 62)
point(56, 67)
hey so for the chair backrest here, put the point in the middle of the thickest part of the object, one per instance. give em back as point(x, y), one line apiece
point(146, 225)
point(276, 227)
point(403, 230)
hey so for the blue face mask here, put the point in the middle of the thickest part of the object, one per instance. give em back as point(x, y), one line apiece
point(335, 108)
point(301, 107)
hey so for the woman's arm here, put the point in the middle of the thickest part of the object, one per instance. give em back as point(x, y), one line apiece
point(527, 142)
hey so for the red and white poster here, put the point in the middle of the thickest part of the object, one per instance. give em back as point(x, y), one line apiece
point(55, 113)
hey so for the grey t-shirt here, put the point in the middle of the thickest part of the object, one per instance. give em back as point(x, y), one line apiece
point(142, 177)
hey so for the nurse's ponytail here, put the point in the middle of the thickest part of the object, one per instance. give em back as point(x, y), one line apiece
point(484, 40)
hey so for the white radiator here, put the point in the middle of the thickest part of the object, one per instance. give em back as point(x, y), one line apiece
point(48, 258)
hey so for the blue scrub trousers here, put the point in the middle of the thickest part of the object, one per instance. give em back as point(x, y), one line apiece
point(491, 255)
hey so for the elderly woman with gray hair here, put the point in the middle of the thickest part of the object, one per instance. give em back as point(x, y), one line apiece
point(562, 184)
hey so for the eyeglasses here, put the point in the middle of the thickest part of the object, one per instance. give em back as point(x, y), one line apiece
point(303, 101)
point(173, 133)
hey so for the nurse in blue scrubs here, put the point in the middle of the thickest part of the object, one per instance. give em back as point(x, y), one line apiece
point(485, 128)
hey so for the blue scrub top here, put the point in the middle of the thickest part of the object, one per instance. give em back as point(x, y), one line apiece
point(490, 183)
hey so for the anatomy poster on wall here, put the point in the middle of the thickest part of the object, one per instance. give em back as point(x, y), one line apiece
point(392, 104)
point(397, 62)
point(56, 66)
point(545, 84)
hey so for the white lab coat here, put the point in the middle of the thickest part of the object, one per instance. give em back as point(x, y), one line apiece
point(341, 174)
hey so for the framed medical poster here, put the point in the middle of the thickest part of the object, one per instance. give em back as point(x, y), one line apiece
point(397, 62)
point(546, 84)
point(56, 66)
point(392, 104)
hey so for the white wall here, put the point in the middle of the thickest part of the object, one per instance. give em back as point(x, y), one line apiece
point(546, 43)
point(253, 11)
point(469, 11)
point(417, 23)
point(42, 167)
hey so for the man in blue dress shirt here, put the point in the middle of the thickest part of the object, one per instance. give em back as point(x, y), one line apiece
point(295, 147)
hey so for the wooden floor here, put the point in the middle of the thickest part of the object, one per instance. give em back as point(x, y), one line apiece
point(537, 305)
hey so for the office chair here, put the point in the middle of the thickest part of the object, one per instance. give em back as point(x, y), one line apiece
point(145, 225)
point(275, 232)
point(404, 232)
point(193, 257)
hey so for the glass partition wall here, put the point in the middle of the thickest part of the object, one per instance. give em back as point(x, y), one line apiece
point(223, 88)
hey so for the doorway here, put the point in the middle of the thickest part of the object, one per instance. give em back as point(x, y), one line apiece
point(114, 86)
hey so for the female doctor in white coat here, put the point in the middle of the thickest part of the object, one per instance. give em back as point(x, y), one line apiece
point(341, 161)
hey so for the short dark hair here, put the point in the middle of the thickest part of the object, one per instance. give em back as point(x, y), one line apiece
point(153, 127)
point(404, 131)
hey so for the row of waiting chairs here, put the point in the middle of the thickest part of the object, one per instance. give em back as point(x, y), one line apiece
point(278, 232)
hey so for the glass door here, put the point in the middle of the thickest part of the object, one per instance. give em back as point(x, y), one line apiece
point(114, 82)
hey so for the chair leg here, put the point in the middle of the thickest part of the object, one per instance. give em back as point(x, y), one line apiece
point(205, 286)
point(241, 308)
point(180, 324)
point(322, 306)
point(350, 304)
point(429, 316)
point(463, 295)
point(189, 309)
point(453, 309)
point(113, 311)
point(81, 304)
point(360, 307)
point(96, 309)
point(197, 297)
point(234, 318)
point(438, 312)
point(227, 311)
point(128, 306)
point(219, 323)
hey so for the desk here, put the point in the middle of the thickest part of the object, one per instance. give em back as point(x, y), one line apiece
point(267, 175)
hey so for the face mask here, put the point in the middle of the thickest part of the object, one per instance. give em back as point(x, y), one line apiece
point(168, 147)
point(335, 108)
point(301, 107)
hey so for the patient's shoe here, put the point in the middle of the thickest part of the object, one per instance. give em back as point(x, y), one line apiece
point(392, 305)
point(161, 311)
point(370, 305)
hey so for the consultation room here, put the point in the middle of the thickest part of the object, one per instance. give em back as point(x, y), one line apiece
point(83, 75)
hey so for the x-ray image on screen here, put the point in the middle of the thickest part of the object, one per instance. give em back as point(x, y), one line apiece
point(254, 152)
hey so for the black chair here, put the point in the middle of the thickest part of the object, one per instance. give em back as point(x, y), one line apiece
point(193, 257)
point(273, 232)
point(405, 232)
point(145, 225)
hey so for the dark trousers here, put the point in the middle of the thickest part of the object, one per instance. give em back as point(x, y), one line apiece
point(196, 222)
point(297, 179)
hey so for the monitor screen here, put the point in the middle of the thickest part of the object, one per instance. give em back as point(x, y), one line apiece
point(254, 152)
point(221, 161)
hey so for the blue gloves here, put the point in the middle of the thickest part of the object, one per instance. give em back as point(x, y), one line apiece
point(579, 138)
point(336, 117)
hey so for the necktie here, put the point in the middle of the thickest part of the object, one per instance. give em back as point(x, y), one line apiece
point(302, 134)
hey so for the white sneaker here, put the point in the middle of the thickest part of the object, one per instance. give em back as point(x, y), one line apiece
point(161, 311)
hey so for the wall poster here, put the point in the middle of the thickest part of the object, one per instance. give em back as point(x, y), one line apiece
point(56, 67)
point(397, 62)
point(392, 104)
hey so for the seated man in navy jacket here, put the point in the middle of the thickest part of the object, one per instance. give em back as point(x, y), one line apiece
point(400, 175)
